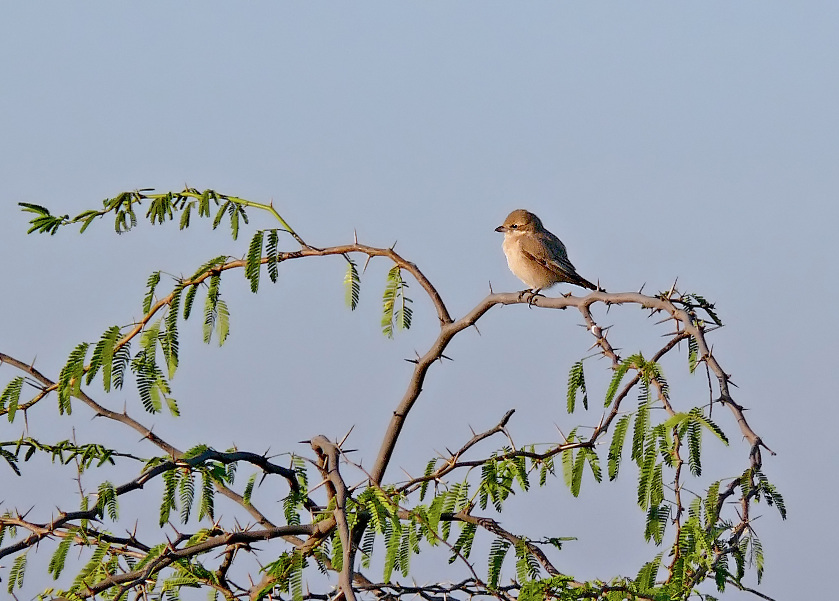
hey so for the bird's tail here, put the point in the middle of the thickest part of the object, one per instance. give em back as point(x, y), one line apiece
point(581, 281)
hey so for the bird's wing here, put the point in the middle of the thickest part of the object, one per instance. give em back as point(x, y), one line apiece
point(549, 251)
point(555, 256)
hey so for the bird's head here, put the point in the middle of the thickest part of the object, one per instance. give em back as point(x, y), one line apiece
point(520, 221)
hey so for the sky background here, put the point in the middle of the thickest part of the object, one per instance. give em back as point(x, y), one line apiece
point(658, 140)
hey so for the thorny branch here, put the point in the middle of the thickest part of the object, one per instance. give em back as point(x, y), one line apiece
point(673, 308)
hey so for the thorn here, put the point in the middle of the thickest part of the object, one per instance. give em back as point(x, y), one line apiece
point(318, 485)
point(474, 325)
point(442, 356)
point(642, 287)
point(394, 244)
point(490, 287)
point(672, 288)
point(346, 436)
point(414, 361)
point(366, 263)
point(354, 236)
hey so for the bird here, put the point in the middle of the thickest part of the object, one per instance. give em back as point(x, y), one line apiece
point(535, 255)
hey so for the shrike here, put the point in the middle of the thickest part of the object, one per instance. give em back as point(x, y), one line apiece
point(536, 256)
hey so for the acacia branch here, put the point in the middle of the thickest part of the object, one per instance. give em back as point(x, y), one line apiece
point(329, 454)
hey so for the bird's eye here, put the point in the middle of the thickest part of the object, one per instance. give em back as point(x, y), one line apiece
point(514, 226)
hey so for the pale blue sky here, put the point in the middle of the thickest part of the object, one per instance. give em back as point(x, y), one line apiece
point(656, 139)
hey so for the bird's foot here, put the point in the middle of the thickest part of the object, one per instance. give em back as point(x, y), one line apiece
point(530, 295)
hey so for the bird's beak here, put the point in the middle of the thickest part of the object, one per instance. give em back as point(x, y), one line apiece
point(501, 228)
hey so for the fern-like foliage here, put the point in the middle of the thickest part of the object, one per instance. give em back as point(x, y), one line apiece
point(148, 299)
point(657, 518)
point(59, 557)
point(527, 566)
point(103, 357)
point(352, 285)
point(770, 494)
point(693, 354)
point(107, 501)
point(254, 260)
point(271, 249)
point(617, 377)
point(93, 570)
point(395, 305)
point(70, 378)
point(186, 492)
point(497, 554)
point(576, 381)
point(616, 446)
point(10, 397)
point(693, 301)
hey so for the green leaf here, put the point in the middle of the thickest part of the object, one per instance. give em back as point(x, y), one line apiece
point(223, 322)
point(647, 575)
point(395, 305)
point(189, 299)
point(389, 300)
point(16, 573)
point(429, 469)
point(246, 496)
point(11, 397)
point(641, 426)
point(103, 355)
point(337, 551)
point(186, 493)
point(620, 372)
point(497, 553)
point(594, 464)
point(576, 379)
point(59, 558)
point(70, 378)
point(577, 472)
point(184, 223)
point(463, 544)
point(352, 285)
point(693, 353)
point(694, 447)
point(271, 251)
point(206, 508)
point(153, 280)
point(771, 493)
point(12, 461)
point(254, 260)
point(107, 500)
point(698, 417)
point(616, 447)
point(296, 576)
point(211, 307)
point(222, 210)
point(647, 474)
point(170, 481)
point(120, 361)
